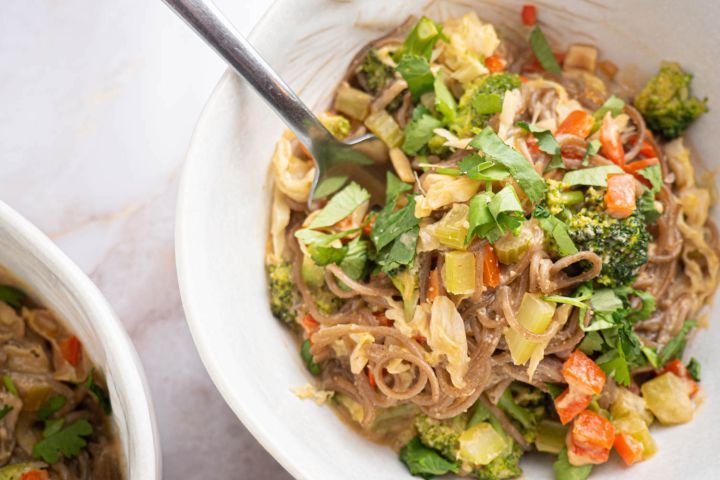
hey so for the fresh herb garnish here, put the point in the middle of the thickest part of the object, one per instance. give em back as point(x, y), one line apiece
point(326, 254)
point(676, 345)
point(594, 176)
point(13, 296)
point(493, 214)
point(68, 442)
point(646, 205)
point(522, 171)
point(557, 230)
point(425, 462)
point(5, 410)
point(444, 101)
point(693, 368)
point(416, 72)
point(613, 104)
point(52, 405)
point(307, 357)
point(419, 130)
point(340, 206)
point(546, 143)
point(421, 39)
point(355, 261)
point(653, 174)
point(593, 148)
point(543, 52)
point(99, 393)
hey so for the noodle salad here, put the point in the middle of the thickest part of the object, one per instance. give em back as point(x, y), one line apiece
point(541, 257)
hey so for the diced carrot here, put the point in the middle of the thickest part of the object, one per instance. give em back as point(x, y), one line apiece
point(611, 144)
point(529, 15)
point(647, 150)
point(495, 63)
point(35, 475)
point(629, 449)
point(591, 429)
point(370, 219)
point(569, 404)
point(491, 268)
point(579, 455)
point(582, 374)
point(371, 378)
point(640, 164)
point(620, 195)
point(309, 323)
point(71, 350)
point(433, 285)
point(578, 122)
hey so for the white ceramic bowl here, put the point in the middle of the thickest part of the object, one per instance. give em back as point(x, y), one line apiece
point(52, 279)
point(224, 201)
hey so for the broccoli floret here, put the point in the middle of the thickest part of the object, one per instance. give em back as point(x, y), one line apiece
point(666, 104)
point(376, 74)
point(504, 467)
point(284, 297)
point(441, 435)
point(473, 114)
point(621, 243)
point(525, 405)
point(326, 301)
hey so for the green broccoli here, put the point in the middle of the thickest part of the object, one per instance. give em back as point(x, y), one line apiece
point(481, 101)
point(376, 74)
point(441, 435)
point(525, 405)
point(666, 104)
point(284, 297)
point(621, 243)
point(503, 467)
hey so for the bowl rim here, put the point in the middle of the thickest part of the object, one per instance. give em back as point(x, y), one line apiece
point(140, 414)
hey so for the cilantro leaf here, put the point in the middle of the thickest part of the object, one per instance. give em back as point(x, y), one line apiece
point(477, 168)
point(693, 368)
point(53, 404)
point(99, 393)
point(557, 230)
point(593, 148)
point(68, 442)
point(676, 345)
point(546, 141)
point(310, 237)
point(13, 296)
point(444, 101)
point(325, 254)
point(606, 301)
point(613, 104)
point(355, 260)
point(566, 471)
point(653, 174)
point(542, 51)
point(416, 72)
point(614, 364)
point(394, 187)
point(491, 215)
point(340, 206)
point(401, 252)
point(646, 204)
point(419, 130)
point(390, 224)
point(329, 186)
point(522, 171)
point(594, 176)
point(425, 462)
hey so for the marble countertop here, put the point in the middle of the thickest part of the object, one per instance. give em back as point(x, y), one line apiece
point(99, 100)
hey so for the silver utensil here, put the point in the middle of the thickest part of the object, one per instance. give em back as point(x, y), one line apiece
point(336, 161)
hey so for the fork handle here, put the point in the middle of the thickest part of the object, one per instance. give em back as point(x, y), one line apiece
point(209, 22)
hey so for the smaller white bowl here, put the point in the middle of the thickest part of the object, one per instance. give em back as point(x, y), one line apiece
point(57, 283)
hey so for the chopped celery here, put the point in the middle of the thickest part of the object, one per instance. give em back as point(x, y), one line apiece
point(17, 471)
point(510, 248)
point(550, 436)
point(312, 273)
point(384, 126)
point(459, 272)
point(668, 398)
point(535, 315)
point(480, 444)
point(636, 427)
point(451, 230)
point(627, 403)
point(352, 102)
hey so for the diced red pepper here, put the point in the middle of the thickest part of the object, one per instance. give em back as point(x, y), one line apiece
point(309, 323)
point(582, 374)
point(383, 320)
point(495, 63)
point(491, 267)
point(579, 455)
point(529, 15)
point(647, 150)
point(578, 122)
point(371, 378)
point(620, 195)
point(35, 475)
point(569, 404)
point(611, 144)
point(71, 350)
point(592, 430)
point(640, 164)
point(629, 449)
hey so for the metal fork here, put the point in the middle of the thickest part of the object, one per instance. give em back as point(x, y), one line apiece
point(335, 160)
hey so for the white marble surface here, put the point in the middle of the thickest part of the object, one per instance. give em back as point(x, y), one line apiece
point(98, 100)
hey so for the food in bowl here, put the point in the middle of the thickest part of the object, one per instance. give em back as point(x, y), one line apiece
point(543, 254)
point(54, 405)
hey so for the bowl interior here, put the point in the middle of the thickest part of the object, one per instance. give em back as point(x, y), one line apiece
point(224, 202)
point(55, 282)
